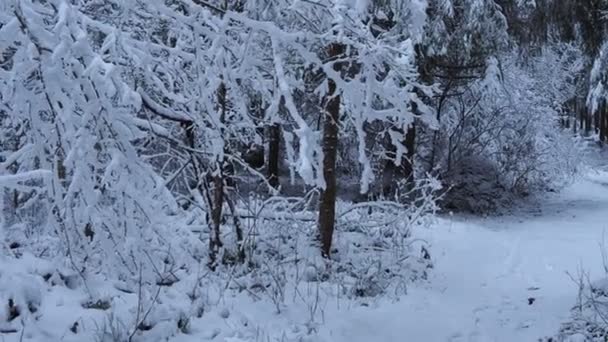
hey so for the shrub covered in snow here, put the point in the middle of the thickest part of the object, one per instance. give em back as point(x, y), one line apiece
point(589, 320)
point(376, 256)
point(500, 138)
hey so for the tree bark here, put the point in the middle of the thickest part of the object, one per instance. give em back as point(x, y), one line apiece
point(274, 145)
point(217, 181)
point(407, 164)
point(588, 119)
point(581, 114)
point(215, 242)
point(602, 118)
point(596, 121)
point(327, 199)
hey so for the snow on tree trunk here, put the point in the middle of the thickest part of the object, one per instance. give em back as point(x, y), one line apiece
point(327, 199)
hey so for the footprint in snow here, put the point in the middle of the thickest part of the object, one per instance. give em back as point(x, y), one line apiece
point(456, 337)
point(525, 324)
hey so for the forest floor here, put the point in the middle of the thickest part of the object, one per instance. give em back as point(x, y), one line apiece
point(496, 279)
point(507, 278)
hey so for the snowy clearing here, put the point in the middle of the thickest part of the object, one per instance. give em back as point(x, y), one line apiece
point(488, 269)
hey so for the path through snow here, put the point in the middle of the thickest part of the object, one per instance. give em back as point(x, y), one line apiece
point(487, 269)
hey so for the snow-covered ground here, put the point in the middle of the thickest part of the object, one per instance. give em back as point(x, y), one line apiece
point(494, 279)
point(488, 269)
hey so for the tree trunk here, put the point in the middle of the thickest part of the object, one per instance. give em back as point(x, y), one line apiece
point(596, 121)
point(327, 199)
point(605, 121)
point(407, 164)
point(602, 116)
point(581, 115)
point(217, 180)
point(588, 122)
point(240, 255)
point(274, 145)
point(215, 242)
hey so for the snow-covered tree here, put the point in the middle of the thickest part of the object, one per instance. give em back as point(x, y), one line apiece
point(222, 58)
point(105, 205)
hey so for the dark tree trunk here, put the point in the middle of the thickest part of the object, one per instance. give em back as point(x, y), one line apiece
point(327, 199)
point(407, 164)
point(239, 231)
point(217, 180)
point(596, 121)
point(575, 117)
point(215, 242)
point(605, 121)
point(602, 118)
point(581, 114)
point(274, 145)
point(588, 119)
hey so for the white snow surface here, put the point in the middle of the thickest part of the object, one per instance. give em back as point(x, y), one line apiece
point(485, 271)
